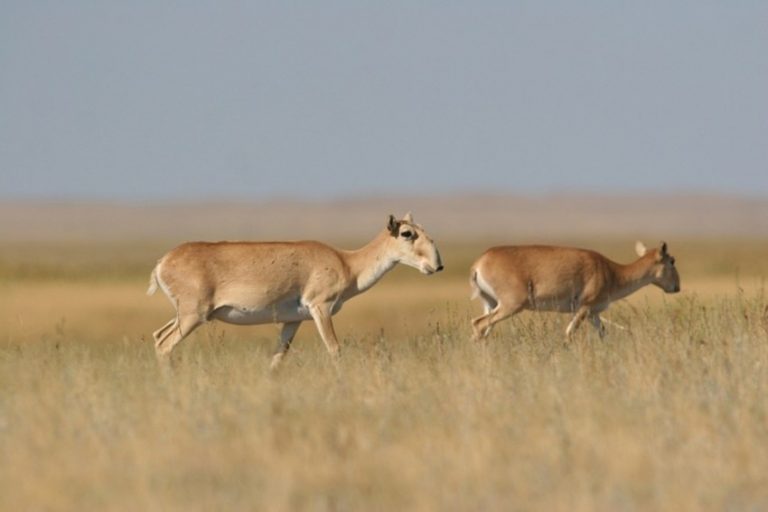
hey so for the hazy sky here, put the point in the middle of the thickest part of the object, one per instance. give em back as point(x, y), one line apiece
point(147, 100)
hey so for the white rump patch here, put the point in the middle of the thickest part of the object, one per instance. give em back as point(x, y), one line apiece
point(483, 285)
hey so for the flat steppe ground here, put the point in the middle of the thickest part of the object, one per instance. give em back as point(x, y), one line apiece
point(669, 412)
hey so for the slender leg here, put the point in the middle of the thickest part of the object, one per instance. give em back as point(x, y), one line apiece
point(287, 334)
point(596, 322)
point(482, 325)
point(579, 317)
point(322, 316)
point(162, 332)
point(488, 307)
point(185, 325)
point(489, 302)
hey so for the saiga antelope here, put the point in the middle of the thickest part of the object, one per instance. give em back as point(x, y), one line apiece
point(544, 278)
point(280, 282)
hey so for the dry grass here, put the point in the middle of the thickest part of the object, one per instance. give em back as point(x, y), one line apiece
point(670, 414)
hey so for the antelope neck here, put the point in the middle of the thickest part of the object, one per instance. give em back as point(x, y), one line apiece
point(369, 263)
point(633, 276)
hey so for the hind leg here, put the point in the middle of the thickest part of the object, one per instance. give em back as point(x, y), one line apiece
point(189, 315)
point(489, 304)
point(581, 313)
point(161, 332)
point(182, 327)
point(482, 325)
point(286, 337)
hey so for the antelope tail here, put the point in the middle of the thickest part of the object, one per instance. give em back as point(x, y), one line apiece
point(473, 285)
point(152, 282)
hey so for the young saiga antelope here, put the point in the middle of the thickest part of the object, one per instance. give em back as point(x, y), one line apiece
point(543, 278)
point(280, 282)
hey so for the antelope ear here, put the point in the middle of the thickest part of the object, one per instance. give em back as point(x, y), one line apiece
point(640, 249)
point(662, 253)
point(392, 225)
point(408, 217)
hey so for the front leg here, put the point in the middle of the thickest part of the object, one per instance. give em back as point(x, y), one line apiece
point(597, 323)
point(321, 314)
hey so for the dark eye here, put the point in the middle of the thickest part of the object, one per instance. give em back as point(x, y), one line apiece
point(671, 261)
point(406, 234)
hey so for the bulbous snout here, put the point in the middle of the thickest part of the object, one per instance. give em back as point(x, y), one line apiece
point(675, 288)
point(670, 280)
point(438, 261)
point(433, 264)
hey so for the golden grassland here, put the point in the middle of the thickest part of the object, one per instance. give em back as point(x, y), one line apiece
point(669, 413)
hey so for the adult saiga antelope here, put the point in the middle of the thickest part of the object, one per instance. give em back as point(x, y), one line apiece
point(545, 278)
point(280, 282)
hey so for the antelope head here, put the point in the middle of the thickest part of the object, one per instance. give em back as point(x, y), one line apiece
point(411, 245)
point(663, 273)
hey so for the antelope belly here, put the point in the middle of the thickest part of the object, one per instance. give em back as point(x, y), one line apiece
point(243, 315)
point(558, 304)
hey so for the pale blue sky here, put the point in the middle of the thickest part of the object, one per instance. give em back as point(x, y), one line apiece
point(146, 100)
